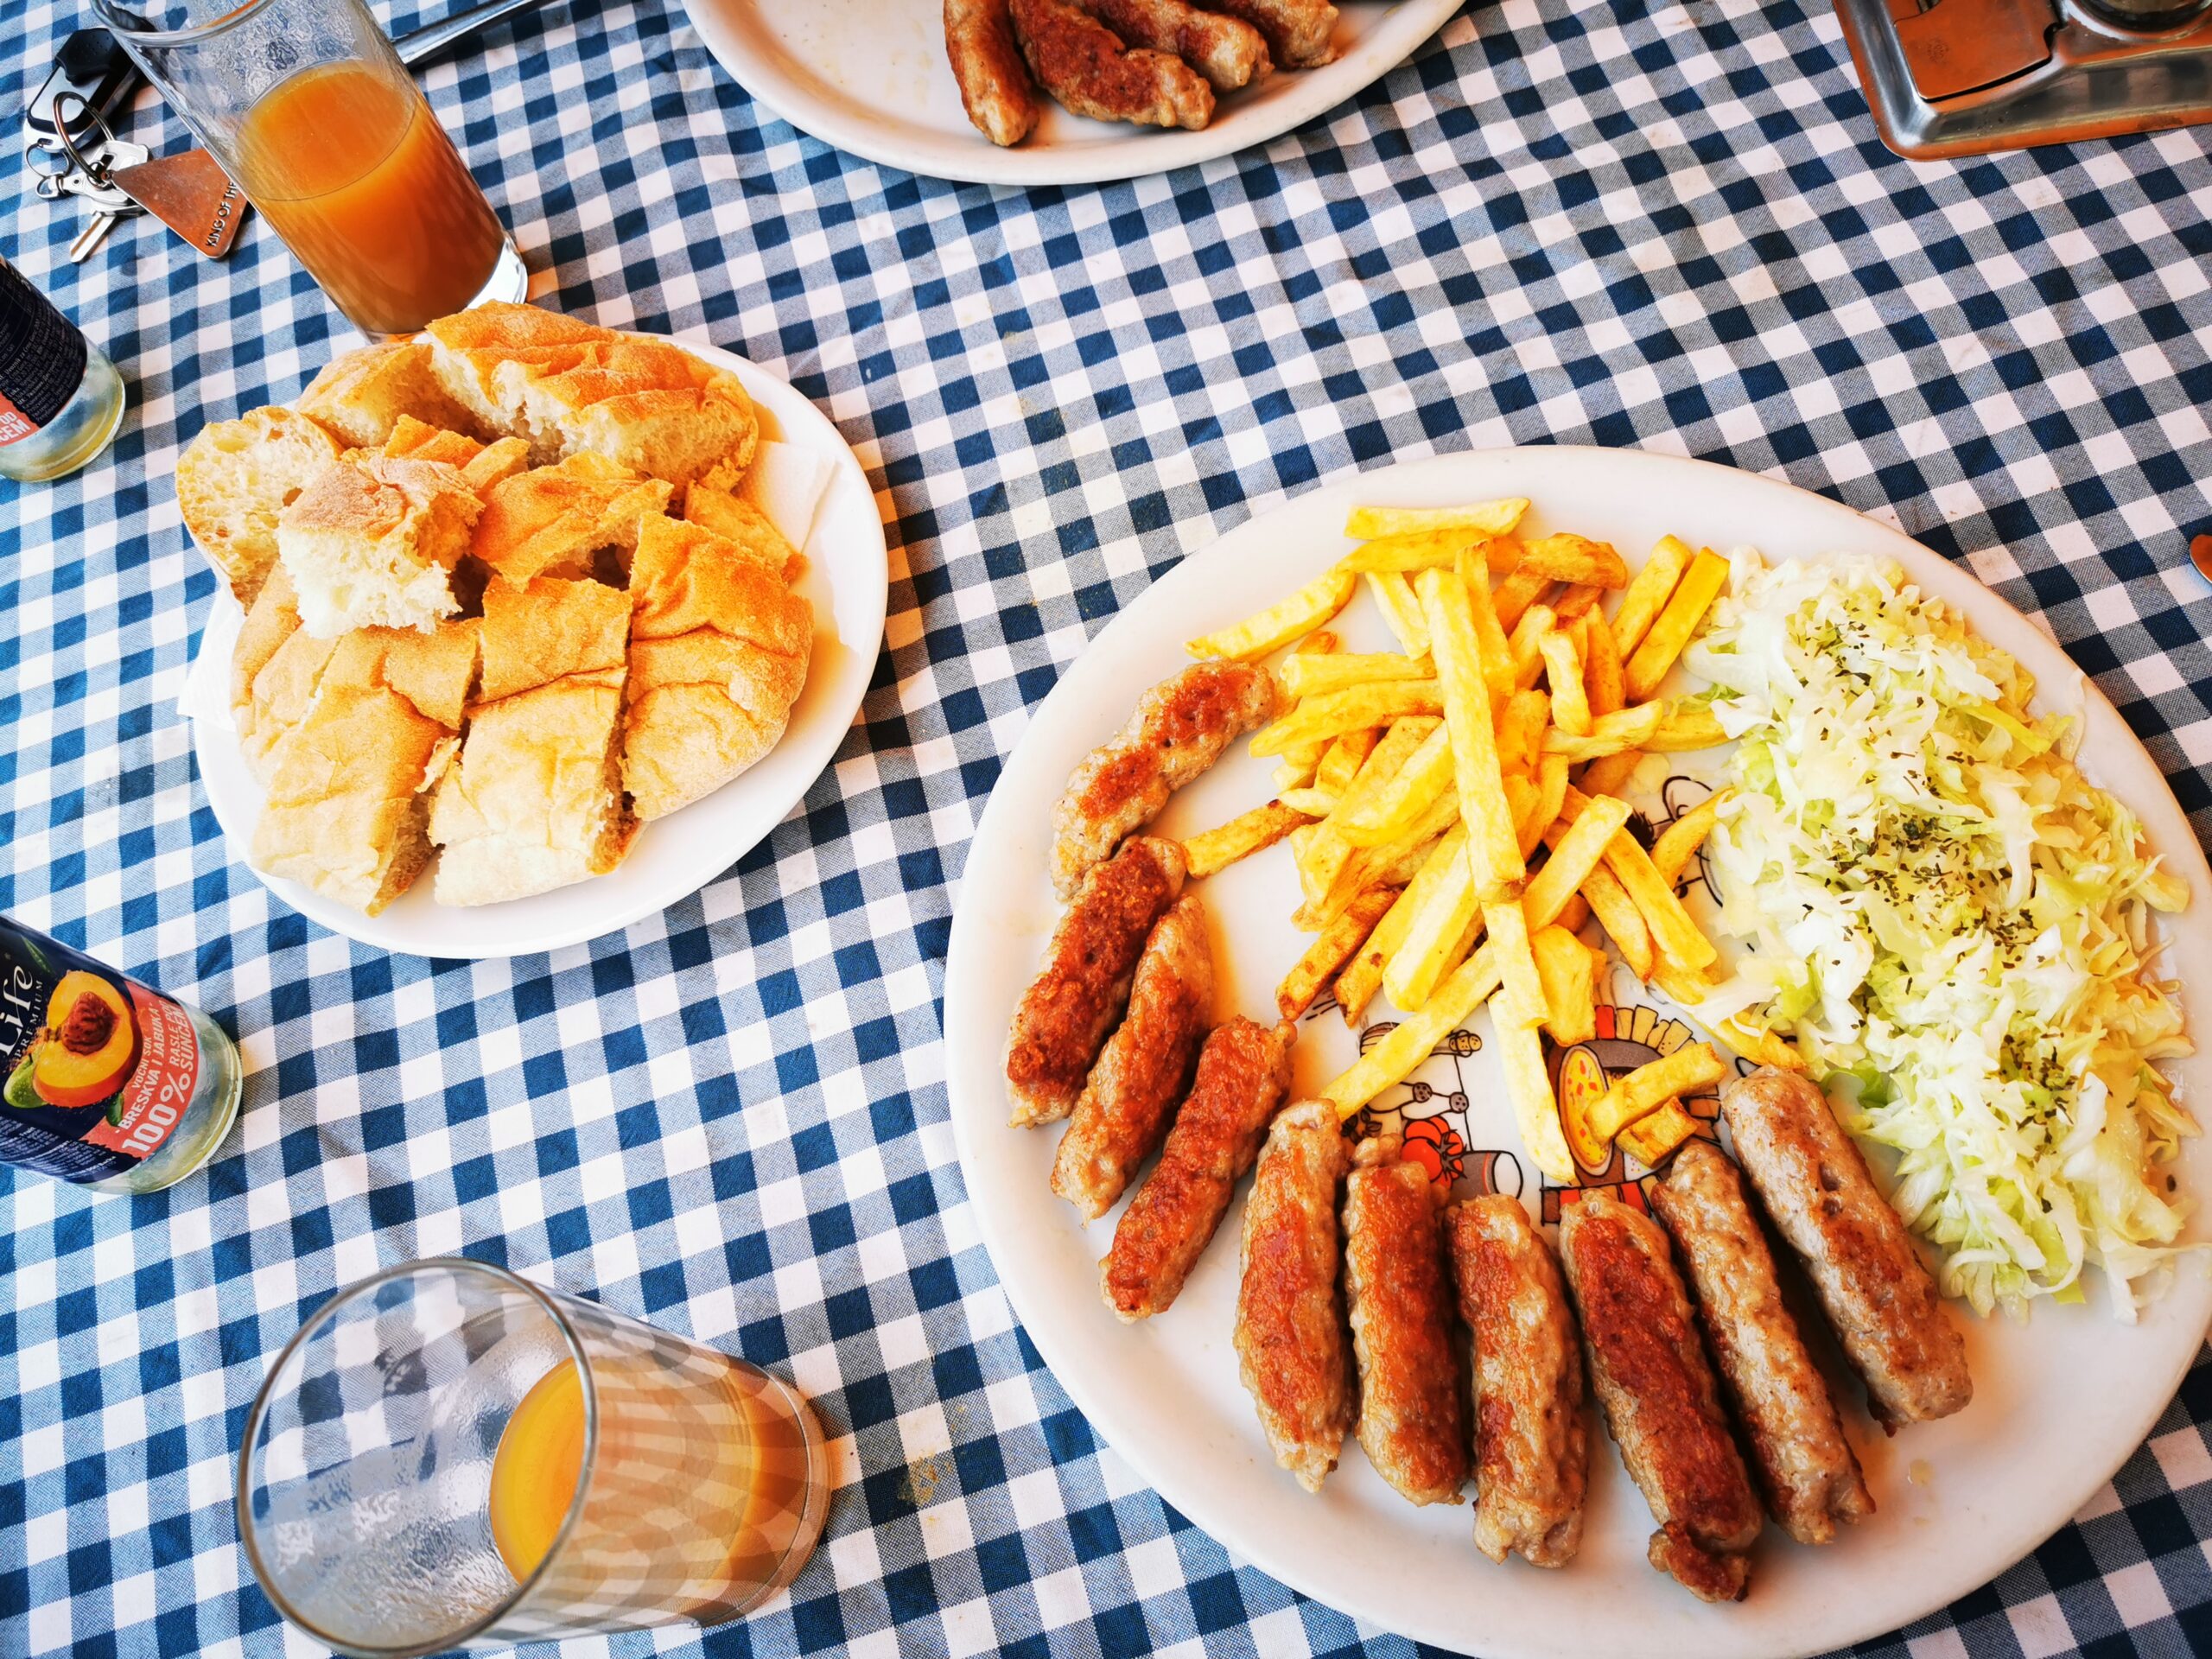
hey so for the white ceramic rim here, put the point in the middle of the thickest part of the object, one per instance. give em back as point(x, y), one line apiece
point(970, 158)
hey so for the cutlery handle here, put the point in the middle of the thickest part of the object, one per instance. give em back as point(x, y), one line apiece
point(425, 44)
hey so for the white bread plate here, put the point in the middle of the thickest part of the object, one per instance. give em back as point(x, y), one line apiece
point(826, 508)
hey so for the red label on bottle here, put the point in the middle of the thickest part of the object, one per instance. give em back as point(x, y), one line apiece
point(14, 423)
point(159, 1090)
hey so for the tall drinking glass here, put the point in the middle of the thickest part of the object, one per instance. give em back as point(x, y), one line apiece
point(447, 1455)
point(308, 108)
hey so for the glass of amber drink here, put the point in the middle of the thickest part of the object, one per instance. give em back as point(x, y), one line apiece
point(449, 1456)
point(308, 108)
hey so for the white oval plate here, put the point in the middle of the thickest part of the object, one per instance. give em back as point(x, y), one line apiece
point(2060, 1401)
point(871, 76)
point(847, 578)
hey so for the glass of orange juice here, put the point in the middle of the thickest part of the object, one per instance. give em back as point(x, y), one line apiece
point(447, 1455)
point(308, 108)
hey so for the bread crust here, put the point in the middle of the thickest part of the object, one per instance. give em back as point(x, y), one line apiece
point(719, 648)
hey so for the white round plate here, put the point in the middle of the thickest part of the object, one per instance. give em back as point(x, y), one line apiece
point(871, 76)
point(2060, 1401)
point(847, 581)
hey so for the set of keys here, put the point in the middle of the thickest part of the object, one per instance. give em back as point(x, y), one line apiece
point(72, 150)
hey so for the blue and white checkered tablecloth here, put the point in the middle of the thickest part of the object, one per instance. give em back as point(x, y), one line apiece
point(1670, 226)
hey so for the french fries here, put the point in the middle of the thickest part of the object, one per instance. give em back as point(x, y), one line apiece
point(1576, 852)
point(1335, 712)
point(1310, 799)
point(1320, 643)
point(1604, 682)
point(1672, 630)
point(1242, 836)
point(1341, 760)
point(1545, 797)
point(1679, 842)
point(1514, 596)
point(1672, 930)
point(1393, 597)
point(1563, 673)
point(1577, 600)
point(1332, 948)
point(1441, 899)
point(1623, 924)
point(1632, 728)
point(1650, 1140)
point(1648, 593)
point(1494, 651)
point(1685, 726)
point(1426, 774)
point(1526, 642)
point(1480, 519)
point(1281, 622)
point(1521, 998)
point(1426, 548)
point(1575, 559)
point(1529, 1086)
point(1492, 849)
point(1645, 1091)
point(1521, 726)
point(1393, 1060)
point(1608, 773)
point(1569, 973)
point(1305, 675)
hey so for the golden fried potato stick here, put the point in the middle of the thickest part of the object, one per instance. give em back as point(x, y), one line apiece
point(1674, 626)
point(1529, 1086)
point(1306, 676)
point(1341, 759)
point(1604, 682)
point(1568, 968)
point(1521, 722)
point(1520, 1001)
point(1393, 1060)
point(1514, 596)
point(1320, 718)
point(1281, 622)
point(1441, 897)
point(1481, 519)
point(1679, 842)
point(1608, 774)
point(1310, 800)
point(1546, 798)
point(1578, 849)
point(1672, 930)
point(1439, 548)
point(1492, 848)
point(1648, 593)
point(1426, 774)
point(1651, 1139)
point(1526, 644)
point(1332, 948)
point(1242, 836)
point(1631, 727)
point(1645, 1091)
point(1575, 559)
point(1563, 673)
point(1393, 597)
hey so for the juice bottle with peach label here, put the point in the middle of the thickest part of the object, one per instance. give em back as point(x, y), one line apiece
point(109, 1083)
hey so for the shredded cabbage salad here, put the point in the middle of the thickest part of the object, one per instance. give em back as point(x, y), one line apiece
point(1954, 925)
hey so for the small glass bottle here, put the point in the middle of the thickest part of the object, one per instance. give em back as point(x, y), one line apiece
point(109, 1083)
point(60, 399)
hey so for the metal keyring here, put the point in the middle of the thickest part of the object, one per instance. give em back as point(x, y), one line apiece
point(99, 175)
